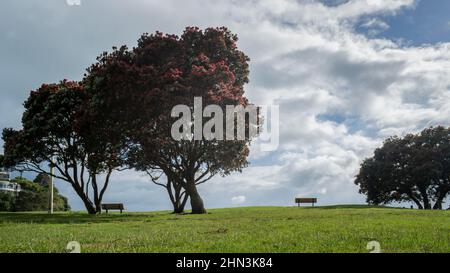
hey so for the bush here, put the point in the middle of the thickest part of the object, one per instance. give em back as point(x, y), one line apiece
point(6, 201)
point(33, 197)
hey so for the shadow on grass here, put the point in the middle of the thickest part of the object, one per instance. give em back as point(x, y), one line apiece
point(84, 218)
point(350, 206)
point(75, 217)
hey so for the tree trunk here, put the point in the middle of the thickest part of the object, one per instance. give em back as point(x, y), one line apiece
point(178, 206)
point(97, 201)
point(98, 206)
point(184, 201)
point(89, 207)
point(415, 200)
point(87, 203)
point(419, 205)
point(426, 201)
point(178, 210)
point(174, 189)
point(438, 204)
point(196, 201)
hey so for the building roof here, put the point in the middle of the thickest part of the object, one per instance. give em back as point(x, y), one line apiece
point(8, 186)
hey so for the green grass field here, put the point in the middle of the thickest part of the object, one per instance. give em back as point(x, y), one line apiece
point(247, 229)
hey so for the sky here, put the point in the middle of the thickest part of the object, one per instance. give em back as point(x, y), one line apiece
point(346, 74)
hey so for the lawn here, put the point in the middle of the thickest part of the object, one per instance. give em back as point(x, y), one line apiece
point(246, 229)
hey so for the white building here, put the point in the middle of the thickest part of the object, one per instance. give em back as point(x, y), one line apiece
point(5, 184)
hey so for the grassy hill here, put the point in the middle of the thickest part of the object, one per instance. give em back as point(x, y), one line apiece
point(247, 229)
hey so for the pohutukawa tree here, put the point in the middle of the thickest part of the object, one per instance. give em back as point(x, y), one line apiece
point(164, 71)
point(61, 130)
point(1, 161)
point(415, 168)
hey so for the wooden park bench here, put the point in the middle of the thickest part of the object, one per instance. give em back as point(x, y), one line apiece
point(306, 200)
point(113, 207)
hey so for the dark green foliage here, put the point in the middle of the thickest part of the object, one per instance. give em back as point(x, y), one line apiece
point(33, 197)
point(61, 130)
point(42, 179)
point(6, 201)
point(414, 168)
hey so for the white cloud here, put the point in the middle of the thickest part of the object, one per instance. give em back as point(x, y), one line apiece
point(238, 200)
point(375, 26)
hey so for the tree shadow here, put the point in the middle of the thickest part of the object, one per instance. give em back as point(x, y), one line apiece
point(74, 217)
point(349, 206)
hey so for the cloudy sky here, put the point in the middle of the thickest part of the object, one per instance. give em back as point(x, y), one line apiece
point(345, 73)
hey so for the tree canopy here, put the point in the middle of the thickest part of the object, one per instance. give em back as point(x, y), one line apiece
point(163, 71)
point(413, 168)
point(61, 131)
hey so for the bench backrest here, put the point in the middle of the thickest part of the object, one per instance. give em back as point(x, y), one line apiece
point(112, 206)
point(305, 200)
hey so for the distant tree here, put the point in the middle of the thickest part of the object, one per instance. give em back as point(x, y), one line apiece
point(42, 179)
point(434, 152)
point(60, 130)
point(6, 201)
point(6, 198)
point(161, 72)
point(414, 168)
point(32, 197)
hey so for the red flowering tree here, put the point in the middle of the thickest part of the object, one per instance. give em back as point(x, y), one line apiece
point(61, 131)
point(142, 85)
